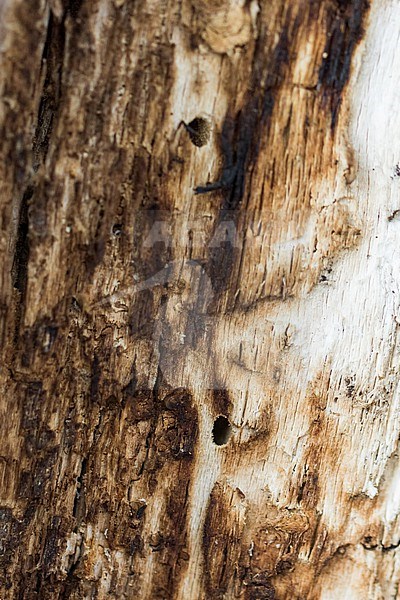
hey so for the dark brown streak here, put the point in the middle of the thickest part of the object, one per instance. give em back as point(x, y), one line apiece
point(240, 147)
point(52, 60)
point(345, 29)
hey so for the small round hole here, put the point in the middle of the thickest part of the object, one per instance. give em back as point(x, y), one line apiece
point(221, 431)
point(117, 229)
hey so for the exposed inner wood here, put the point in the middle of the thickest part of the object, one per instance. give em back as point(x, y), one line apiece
point(199, 323)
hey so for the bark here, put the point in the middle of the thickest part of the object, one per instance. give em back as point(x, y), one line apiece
point(199, 299)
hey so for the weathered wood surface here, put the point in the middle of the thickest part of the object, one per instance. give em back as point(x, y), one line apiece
point(134, 312)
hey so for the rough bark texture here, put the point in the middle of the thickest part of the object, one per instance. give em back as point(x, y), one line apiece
point(156, 276)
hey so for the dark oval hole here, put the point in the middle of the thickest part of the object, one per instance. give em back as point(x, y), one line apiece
point(221, 431)
point(117, 229)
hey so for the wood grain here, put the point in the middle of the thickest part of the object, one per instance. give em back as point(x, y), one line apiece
point(150, 284)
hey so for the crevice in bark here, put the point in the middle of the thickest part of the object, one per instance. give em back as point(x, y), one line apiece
point(19, 271)
point(21, 253)
point(95, 379)
point(74, 6)
point(52, 61)
point(78, 510)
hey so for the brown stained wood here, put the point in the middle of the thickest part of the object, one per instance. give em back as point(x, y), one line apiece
point(155, 277)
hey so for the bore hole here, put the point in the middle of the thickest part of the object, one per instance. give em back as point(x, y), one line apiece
point(117, 229)
point(221, 431)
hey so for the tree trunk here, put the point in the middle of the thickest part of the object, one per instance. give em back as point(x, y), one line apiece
point(199, 311)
